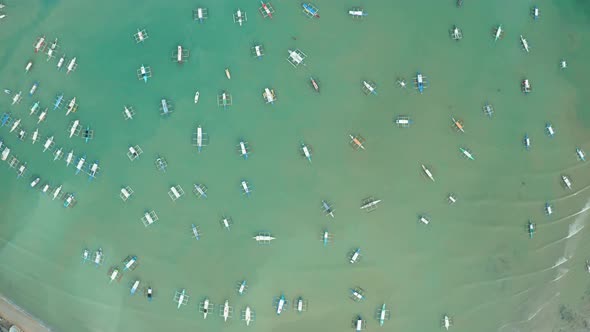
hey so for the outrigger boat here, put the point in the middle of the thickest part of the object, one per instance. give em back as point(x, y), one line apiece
point(310, 10)
point(240, 17)
point(181, 54)
point(280, 304)
point(535, 13)
point(257, 51)
point(181, 298)
point(566, 181)
point(225, 310)
point(149, 293)
point(56, 192)
point(300, 305)
point(34, 108)
point(382, 315)
point(51, 49)
point(40, 44)
point(15, 125)
point(356, 142)
point(531, 228)
point(48, 144)
point(562, 64)
point(22, 135)
point(35, 136)
point(248, 315)
point(58, 154)
point(200, 190)
point(266, 10)
point(243, 149)
point(498, 32)
point(456, 33)
point(467, 153)
point(358, 323)
point(6, 119)
point(5, 153)
point(175, 192)
point(524, 43)
point(140, 36)
point(581, 155)
point(114, 274)
point(35, 182)
point(527, 142)
point(200, 14)
point(98, 257)
point(357, 12)
point(58, 101)
point(197, 97)
point(403, 121)
point(245, 188)
point(72, 106)
point(263, 238)
point(548, 209)
point(206, 307)
point(149, 217)
point(226, 223)
point(327, 208)
point(134, 152)
point(458, 124)
point(134, 287)
point(128, 112)
point(28, 66)
point(85, 255)
point(269, 96)
point(33, 88)
point(401, 83)
point(369, 88)
point(306, 151)
point(72, 65)
point(70, 158)
point(93, 170)
point(424, 219)
point(420, 82)
point(326, 237)
point(224, 99)
point(200, 138)
point(227, 74)
point(195, 231)
point(165, 107)
point(242, 287)
point(355, 256)
point(446, 322)
point(549, 129)
point(357, 294)
point(488, 110)
point(45, 188)
point(61, 61)
point(42, 116)
point(428, 173)
point(70, 201)
point(126, 193)
point(17, 98)
point(161, 164)
point(526, 86)
point(80, 164)
point(296, 57)
point(370, 204)
point(143, 73)
point(314, 84)
point(130, 263)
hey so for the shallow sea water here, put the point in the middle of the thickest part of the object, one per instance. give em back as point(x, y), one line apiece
point(474, 261)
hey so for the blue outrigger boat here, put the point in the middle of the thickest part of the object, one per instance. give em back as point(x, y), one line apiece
point(420, 81)
point(310, 10)
point(58, 102)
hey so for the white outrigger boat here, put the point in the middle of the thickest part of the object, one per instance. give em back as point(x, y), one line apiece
point(358, 323)
point(85, 255)
point(58, 154)
point(140, 36)
point(227, 74)
point(566, 181)
point(200, 190)
point(357, 294)
point(33, 88)
point(370, 204)
point(28, 66)
point(175, 192)
point(524, 43)
point(225, 311)
point(246, 190)
point(21, 170)
point(149, 217)
point(306, 151)
point(243, 149)
point(42, 116)
point(242, 287)
point(269, 96)
point(200, 138)
point(300, 305)
point(181, 298)
point(149, 293)
point(114, 274)
point(200, 14)
point(326, 238)
point(226, 223)
point(15, 125)
point(224, 99)
point(134, 152)
point(383, 315)
point(34, 108)
point(535, 13)
point(266, 10)
point(428, 173)
point(549, 129)
point(40, 44)
point(327, 207)
point(206, 307)
point(548, 209)
point(280, 304)
point(498, 32)
point(296, 57)
point(70, 158)
point(72, 65)
point(467, 153)
point(45, 188)
point(357, 12)
point(5, 153)
point(61, 62)
point(446, 322)
point(80, 164)
point(48, 144)
point(128, 112)
point(197, 94)
point(72, 106)
point(75, 128)
point(35, 182)
point(424, 219)
point(130, 263)
point(143, 73)
point(35, 136)
point(240, 17)
point(56, 192)
point(580, 153)
point(93, 170)
point(134, 287)
point(52, 49)
point(248, 315)
point(17, 98)
point(181, 54)
point(355, 256)
point(263, 238)
point(98, 257)
point(195, 231)
point(257, 51)
point(126, 193)
point(369, 88)
point(403, 121)
point(456, 33)
point(562, 64)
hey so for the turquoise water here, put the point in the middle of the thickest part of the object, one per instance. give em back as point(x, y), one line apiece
point(474, 261)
